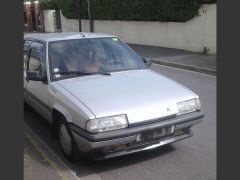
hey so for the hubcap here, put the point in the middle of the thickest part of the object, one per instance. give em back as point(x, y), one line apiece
point(65, 139)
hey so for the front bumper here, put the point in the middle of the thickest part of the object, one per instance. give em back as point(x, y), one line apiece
point(120, 142)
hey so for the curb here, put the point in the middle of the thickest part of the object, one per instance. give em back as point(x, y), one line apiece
point(187, 67)
point(55, 163)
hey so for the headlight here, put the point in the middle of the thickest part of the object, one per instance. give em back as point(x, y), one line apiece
point(106, 123)
point(188, 106)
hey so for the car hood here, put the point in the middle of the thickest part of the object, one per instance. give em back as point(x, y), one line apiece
point(143, 95)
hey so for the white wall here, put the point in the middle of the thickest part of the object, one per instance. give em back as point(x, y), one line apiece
point(48, 20)
point(192, 35)
point(72, 25)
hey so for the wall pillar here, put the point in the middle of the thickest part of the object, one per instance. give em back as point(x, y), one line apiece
point(37, 15)
point(28, 12)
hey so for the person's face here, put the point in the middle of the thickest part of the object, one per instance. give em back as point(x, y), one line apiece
point(72, 62)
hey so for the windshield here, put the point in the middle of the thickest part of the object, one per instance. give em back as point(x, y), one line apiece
point(80, 57)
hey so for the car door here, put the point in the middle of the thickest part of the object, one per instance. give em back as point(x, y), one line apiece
point(37, 91)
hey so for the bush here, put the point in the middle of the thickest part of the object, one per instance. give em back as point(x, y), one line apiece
point(69, 8)
point(145, 10)
point(207, 1)
point(49, 4)
point(133, 10)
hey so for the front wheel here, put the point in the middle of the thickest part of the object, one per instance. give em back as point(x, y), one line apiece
point(67, 142)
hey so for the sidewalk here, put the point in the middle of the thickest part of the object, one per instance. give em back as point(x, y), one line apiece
point(192, 61)
point(40, 162)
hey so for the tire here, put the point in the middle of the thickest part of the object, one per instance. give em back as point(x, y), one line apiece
point(67, 142)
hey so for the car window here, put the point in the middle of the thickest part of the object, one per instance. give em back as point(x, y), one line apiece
point(37, 57)
point(27, 44)
point(34, 61)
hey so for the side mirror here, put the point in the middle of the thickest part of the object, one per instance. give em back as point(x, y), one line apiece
point(147, 61)
point(35, 76)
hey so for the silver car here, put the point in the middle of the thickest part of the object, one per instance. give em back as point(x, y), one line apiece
point(101, 98)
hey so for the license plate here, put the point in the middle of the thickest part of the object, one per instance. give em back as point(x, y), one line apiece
point(157, 133)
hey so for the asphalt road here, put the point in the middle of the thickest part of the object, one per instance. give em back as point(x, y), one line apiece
point(190, 159)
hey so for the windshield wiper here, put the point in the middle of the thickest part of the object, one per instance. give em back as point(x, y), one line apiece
point(104, 73)
point(73, 72)
point(82, 73)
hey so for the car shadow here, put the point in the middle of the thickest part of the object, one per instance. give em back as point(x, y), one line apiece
point(87, 167)
point(128, 160)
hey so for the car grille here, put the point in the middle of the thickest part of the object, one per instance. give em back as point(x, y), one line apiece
point(153, 121)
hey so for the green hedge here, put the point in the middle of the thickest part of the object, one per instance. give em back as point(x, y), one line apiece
point(132, 10)
point(145, 10)
point(50, 4)
point(207, 1)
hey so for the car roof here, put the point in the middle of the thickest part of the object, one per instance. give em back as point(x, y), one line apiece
point(48, 37)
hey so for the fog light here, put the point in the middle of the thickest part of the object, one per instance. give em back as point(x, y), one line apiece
point(179, 132)
point(120, 147)
point(117, 147)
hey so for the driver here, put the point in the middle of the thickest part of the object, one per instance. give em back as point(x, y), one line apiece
point(93, 64)
point(83, 59)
